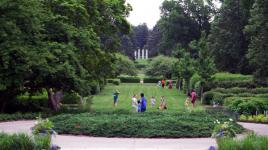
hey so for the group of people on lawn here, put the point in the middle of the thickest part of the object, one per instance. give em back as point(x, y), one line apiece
point(139, 105)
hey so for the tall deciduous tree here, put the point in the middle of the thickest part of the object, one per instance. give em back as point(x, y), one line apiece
point(205, 61)
point(258, 33)
point(227, 40)
point(185, 68)
point(182, 22)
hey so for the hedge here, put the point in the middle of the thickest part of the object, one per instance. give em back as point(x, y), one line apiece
point(225, 76)
point(22, 116)
point(129, 79)
point(246, 105)
point(237, 90)
point(114, 81)
point(24, 142)
point(145, 125)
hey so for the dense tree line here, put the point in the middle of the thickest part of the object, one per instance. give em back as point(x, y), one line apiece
point(235, 33)
point(58, 45)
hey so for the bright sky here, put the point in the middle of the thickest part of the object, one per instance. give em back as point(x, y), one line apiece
point(146, 11)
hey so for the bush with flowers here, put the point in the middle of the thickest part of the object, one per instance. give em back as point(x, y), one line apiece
point(225, 129)
point(43, 126)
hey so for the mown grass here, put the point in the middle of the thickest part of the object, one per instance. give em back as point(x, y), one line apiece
point(174, 99)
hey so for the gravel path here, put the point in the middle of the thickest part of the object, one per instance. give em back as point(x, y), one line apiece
point(93, 143)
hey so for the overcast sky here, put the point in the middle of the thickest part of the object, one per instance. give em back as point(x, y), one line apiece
point(144, 11)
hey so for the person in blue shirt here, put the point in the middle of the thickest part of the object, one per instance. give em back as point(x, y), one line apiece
point(115, 95)
point(143, 103)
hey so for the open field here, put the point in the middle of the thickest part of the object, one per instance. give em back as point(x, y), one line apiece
point(104, 100)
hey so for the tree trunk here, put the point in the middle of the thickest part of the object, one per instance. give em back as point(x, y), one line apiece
point(54, 99)
point(201, 95)
point(187, 86)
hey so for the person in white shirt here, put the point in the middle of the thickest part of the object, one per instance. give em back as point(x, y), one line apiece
point(134, 103)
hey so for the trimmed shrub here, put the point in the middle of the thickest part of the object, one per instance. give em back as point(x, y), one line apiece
point(151, 80)
point(246, 105)
point(114, 81)
point(129, 79)
point(70, 98)
point(211, 96)
point(225, 76)
point(237, 90)
point(195, 124)
point(21, 116)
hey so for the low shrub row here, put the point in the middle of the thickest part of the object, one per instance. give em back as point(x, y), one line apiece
point(218, 95)
point(251, 142)
point(151, 80)
point(22, 116)
point(129, 79)
point(247, 105)
point(237, 90)
point(24, 142)
point(254, 118)
point(225, 76)
point(146, 125)
point(114, 81)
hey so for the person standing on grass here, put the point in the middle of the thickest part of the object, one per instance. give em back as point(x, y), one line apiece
point(115, 95)
point(143, 103)
point(194, 97)
point(163, 83)
point(134, 103)
point(153, 101)
point(170, 84)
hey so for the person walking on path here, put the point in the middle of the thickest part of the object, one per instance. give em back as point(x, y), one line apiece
point(194, 97)
point(163, 83)
point(143, 103)
point(115, 95)
point(134, 103)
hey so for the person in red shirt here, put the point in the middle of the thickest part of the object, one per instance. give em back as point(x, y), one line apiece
point(163, 83)
point(194, 97)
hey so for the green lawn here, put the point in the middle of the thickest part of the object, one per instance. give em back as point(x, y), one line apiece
point(104, 100)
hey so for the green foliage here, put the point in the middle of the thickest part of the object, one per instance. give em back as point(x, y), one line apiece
point(237, 90)
point(194, 79)
point(124, 66)
point(21, 116)
point(151, 80)
point(114, 81)
point(185, 69)
point(225, 129)
point(227, 39)
point(42, 126)
point(129, 79)
point(122, 124)
point(226, 76)
point(70, 98)
point(16, 141)
point(251, 141)
point(257, 31)
point(58, 45)
point(185, 18)
point(24, 142)
point(161, 66)
point(247, 105)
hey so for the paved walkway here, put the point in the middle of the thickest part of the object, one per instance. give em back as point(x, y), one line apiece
point(93, 143)
point(260, 129)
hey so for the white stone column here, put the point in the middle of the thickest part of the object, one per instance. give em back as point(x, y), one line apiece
point(135, 55)
point(139, 53)
point(142, 54)
point(146, 53)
